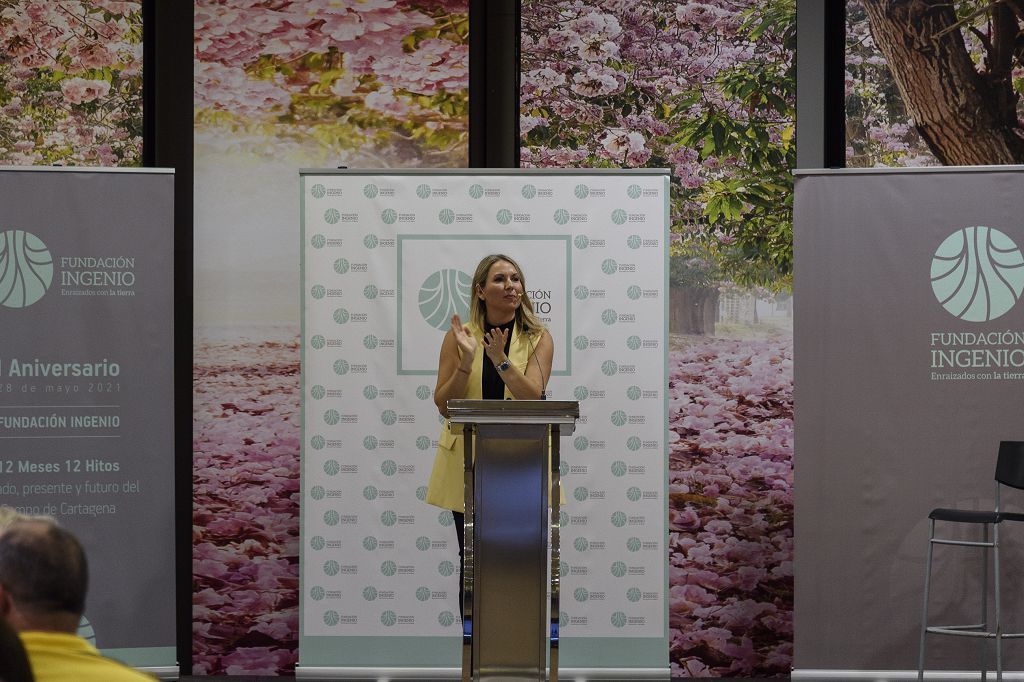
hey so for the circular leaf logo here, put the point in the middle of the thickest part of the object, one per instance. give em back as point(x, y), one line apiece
point(331, 417)
point(317, 492)
point(618, 519)
point(609, 266)
point(317, 241)
point(618, 569)
point(618, 418)
point(317, 593)
point(581, 191)
point(476, 191)
point(422, 593)
point(341, 316)
point(581, 241)
point(318, 291)
point(423, 391)
point(446, 519)
point(633, 493)
point(370, 241)
point(317, 442)
point(341, 367)
point(618, 468)
point(561, 216)
point(563, 468)
point(318, 191)
point(370, 392)
point(634, 292)
point(581, 342)
point(341, 266)
point(317, 542)
point(633, 443)
point(370, 593)
point(332, 216)
point(580, 594)
point(331, 517)
point(633, 342)
point(317, 392)
point(977, 274)
point(609, 368)
point(634, 393)
point(331, 618)
point(581, 494)
point(581, 292)
point(633, 191)
point(422, 442)
point(581, 442)
point(633, 544)
point(529, 191)
point(446, 568)
point(370, 492)
point(388, 618)
point(446, 216)
point(369, 543)
point(423, 191)
point(581, 392)
point(388, 568)
point(317, 342)
point(445, 618)
point(389, 518)
point(633, 594)
point(618, 619)
point(618, 216)
point(563, 619)
point(331, 567)
point(581, 544)
point(421, 493)
point(388, 417)
point(370, 291)
point(633, 241)
point(504, 216)
point(370, 341)
point(443, 294)
point(423, 543)
point(370, 191)
point(388, 467)
point(331, 467)
point(609, 316)
point(370, 443)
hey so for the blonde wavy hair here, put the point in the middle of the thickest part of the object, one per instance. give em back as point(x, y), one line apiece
point(526, 319)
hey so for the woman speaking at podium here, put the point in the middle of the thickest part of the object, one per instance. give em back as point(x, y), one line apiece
point(504, 353)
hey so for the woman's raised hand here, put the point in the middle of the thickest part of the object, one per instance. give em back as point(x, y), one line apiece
point(494, 344)
point(463, 337)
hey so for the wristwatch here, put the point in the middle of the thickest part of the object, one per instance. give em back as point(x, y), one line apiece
point(505, 364)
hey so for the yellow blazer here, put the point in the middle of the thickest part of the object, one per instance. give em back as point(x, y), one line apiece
point(446, 488)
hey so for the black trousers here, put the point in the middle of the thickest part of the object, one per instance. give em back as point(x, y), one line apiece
point(460, 533)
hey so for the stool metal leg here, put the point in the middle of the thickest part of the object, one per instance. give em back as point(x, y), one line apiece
point(983, 643)
point(998, 613)
point(924, 610)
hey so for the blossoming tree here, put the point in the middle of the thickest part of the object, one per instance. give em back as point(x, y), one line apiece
point(71, 82)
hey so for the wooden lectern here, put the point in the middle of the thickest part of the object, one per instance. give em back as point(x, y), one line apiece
point(510, 628)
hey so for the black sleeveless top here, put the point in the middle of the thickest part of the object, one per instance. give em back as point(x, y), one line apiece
point(493, 386)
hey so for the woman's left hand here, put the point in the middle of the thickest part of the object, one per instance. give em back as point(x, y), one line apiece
point(494, 344)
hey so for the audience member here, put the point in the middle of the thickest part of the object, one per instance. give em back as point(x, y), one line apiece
point(43, 581)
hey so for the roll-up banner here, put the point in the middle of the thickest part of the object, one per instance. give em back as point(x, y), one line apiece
point(910, 371)
point(386, 259)
point(86, 386)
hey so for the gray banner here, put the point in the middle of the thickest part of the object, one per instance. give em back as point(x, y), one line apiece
point(910, 338)
point(86, 386)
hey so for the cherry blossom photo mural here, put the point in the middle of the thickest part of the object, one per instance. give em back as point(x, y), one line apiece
point(705, 88)
point(282, 85)
point(71, 83)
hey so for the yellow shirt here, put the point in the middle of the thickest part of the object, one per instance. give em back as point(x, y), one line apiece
point(446, 488)
point(63, 657)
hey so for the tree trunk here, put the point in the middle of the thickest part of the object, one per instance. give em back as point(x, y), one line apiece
point(964, 117)
point(693, 310)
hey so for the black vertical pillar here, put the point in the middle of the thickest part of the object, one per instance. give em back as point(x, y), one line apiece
point(167, 139)
point(494, 83)
point(820, 84)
